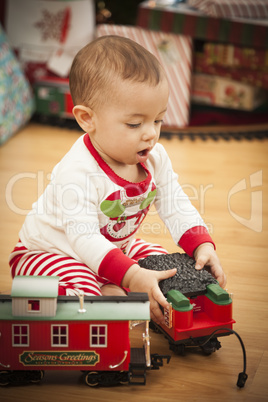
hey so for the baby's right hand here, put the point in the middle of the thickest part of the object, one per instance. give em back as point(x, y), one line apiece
point(138, 279)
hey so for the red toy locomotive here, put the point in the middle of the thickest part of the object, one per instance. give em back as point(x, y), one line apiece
point(189, 321)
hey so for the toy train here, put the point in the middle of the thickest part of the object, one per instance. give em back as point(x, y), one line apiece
point(198, 305)
point(189, 322)
point(53, 101)
point(40, 330)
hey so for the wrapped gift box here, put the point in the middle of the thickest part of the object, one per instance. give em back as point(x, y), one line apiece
point(185, 20)
point(223, 92)
point(257, 78)
point(175, 54)
point(232, 8)
point(16, 100)
point(229, 55)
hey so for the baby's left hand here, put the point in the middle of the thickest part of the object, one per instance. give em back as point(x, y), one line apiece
point(206, 255)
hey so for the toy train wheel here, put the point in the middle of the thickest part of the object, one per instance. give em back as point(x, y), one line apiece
point(20, 377)
point(211, 346)
point(106, 378)
point(154, 328)
point(92, 378)
point(37, 376)
point(124, 378)
point(4, 378)
point(178, 349)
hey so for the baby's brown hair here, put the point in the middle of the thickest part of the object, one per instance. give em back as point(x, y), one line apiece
point(100, 63)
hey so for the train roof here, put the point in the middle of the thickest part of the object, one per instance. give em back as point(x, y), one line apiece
point(135, 306)
point(35, 286)
point(25, 289)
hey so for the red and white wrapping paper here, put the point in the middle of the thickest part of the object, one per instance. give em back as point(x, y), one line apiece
point(175, 54)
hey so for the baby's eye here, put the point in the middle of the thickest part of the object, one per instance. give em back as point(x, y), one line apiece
point(159, 121)
point(130, 125)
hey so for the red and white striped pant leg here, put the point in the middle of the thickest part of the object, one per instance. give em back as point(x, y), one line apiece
point(141, 249)
point(74, 276)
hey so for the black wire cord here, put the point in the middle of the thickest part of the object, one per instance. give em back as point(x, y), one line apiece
point(242, 377)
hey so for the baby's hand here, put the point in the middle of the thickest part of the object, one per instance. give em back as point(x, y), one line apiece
point(206, 255)
point(138, 279)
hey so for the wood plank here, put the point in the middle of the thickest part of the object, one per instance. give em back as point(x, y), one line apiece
point(209, 172)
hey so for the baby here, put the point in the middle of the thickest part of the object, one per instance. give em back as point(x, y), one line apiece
point(83, 227)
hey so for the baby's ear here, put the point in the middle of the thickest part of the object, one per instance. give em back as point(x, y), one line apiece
point(85, 118)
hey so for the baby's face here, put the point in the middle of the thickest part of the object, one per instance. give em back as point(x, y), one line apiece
point(128, 125)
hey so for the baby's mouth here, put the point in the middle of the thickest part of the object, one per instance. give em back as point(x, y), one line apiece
point(143, 155)
point(144, 152)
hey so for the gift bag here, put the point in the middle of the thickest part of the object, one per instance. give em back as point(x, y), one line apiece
point(47, 34)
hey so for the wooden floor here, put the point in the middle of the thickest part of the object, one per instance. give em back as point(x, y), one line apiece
point(228, 182)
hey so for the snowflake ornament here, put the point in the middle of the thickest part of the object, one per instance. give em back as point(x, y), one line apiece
point(54, 25)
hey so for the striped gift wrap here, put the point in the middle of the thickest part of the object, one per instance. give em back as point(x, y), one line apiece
point(175, 54)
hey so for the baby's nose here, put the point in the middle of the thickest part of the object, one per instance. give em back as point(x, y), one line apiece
point(149, 133)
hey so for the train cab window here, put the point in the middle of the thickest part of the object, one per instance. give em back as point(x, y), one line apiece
point(20, 335)
point(59, 335)
point(98, 336)
point(34, 305)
